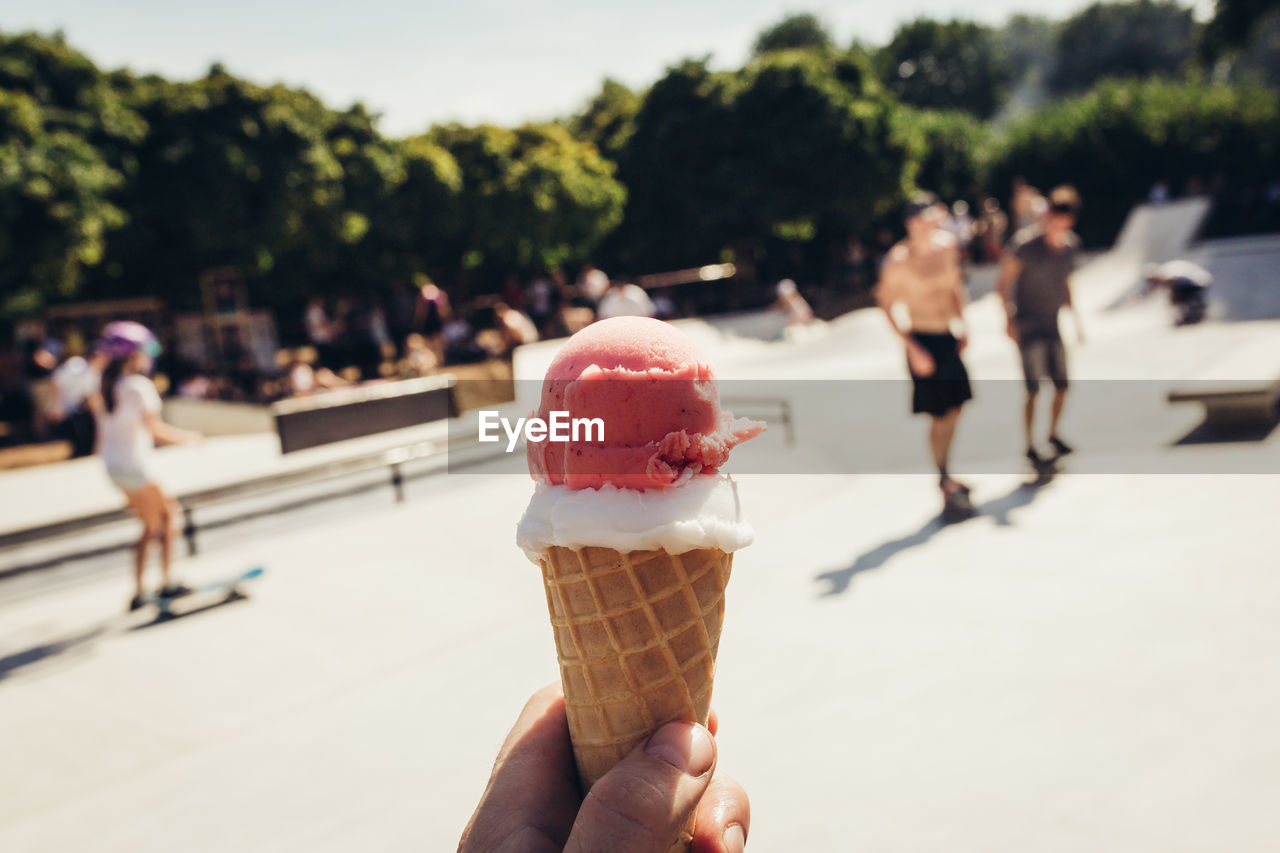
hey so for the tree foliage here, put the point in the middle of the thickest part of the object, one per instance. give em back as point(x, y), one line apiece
point(63, 134)
point(531, 198)
point(946, 65)
point(948, 149)
point(228, 174)
point(721, 164)
point(1234, 25)
point(608, 119)
point(1134, 39)
point(794, 32)
point(1115, 141)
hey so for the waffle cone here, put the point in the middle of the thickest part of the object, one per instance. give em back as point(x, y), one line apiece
point(636, 635)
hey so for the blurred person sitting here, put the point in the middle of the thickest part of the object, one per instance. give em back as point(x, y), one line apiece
point(127, 409)
point(991, 229)
point(77, 380)
point(460, 344)
point(592, 285)
point(795, 309)
point(39, 360)
point(418, 359)
point(515, 327)
point(543, 301)
point(433, 311)
point(960, 225)
point(321, 330)
point(624, 299)
point(1188, 288)
point(664, 305)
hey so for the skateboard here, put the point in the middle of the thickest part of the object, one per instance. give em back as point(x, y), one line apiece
point(228, 588)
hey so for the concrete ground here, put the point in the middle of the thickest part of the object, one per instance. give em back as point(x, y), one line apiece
point(1091, 663)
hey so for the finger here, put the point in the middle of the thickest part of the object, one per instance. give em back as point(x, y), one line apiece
point(641, 805)
point(532, 794)
point(713, 722)
point(724, 818)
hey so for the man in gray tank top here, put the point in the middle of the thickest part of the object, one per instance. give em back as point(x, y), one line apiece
point(1035, 284)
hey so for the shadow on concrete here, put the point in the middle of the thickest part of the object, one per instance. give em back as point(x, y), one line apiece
point(46, 652)
point(1022, 495)
point(875, 558)
point(998, 509)
point(1208, 433)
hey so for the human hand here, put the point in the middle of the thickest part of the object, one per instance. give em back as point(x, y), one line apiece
point(532, 802)
point(919, 360)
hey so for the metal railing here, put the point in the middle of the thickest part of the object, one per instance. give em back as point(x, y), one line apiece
point(393, 459)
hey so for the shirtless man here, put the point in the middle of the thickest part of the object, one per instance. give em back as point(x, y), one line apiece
point(922, 292)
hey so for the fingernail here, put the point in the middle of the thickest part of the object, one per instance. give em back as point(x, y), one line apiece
point(685, 746)
point(735, 840)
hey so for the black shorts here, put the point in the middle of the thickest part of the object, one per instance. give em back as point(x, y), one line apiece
point(948, 386)
point(1043, 357)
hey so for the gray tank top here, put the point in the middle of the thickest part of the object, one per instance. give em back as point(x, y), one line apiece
point(1041, 288)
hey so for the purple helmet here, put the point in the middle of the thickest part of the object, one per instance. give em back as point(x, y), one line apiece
point(123, 338)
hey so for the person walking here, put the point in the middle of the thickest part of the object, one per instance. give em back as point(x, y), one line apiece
point(127, 411)
point(921, 291)
point(1034, 285)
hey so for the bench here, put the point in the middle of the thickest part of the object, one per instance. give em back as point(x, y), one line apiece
point(1242, 389)
point(303, 422)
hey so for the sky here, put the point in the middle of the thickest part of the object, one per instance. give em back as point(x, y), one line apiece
point(429, 62)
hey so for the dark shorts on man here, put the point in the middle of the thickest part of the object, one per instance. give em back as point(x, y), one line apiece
point(948, 386)
point(1043, 357)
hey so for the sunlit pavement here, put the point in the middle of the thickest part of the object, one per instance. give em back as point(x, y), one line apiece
point(1090, 664)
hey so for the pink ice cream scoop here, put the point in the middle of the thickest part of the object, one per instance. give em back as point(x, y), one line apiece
point(654, 392)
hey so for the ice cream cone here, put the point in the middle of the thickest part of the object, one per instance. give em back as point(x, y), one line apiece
point(636, 635)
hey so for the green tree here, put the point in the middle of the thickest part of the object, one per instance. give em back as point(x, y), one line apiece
point(1234, 25)
point(1115, 141)
point(229, 174)
point(531, 198)
point(947, 152)
point(1137, 39)
point(54, 208)
point(1029, 43)
point(794, 32)
point(679, 172)
point(793, 149)
point(816, 153)
point(946, 65)
point(415, 229)
point(608, 119)
point(64, 135)
point(1259, 60)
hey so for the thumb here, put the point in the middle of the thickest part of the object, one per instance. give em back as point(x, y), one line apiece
point(641, 805)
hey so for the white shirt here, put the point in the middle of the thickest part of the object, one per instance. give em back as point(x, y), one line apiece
point(76, 380)
point(125, 440)
point(629, 300)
